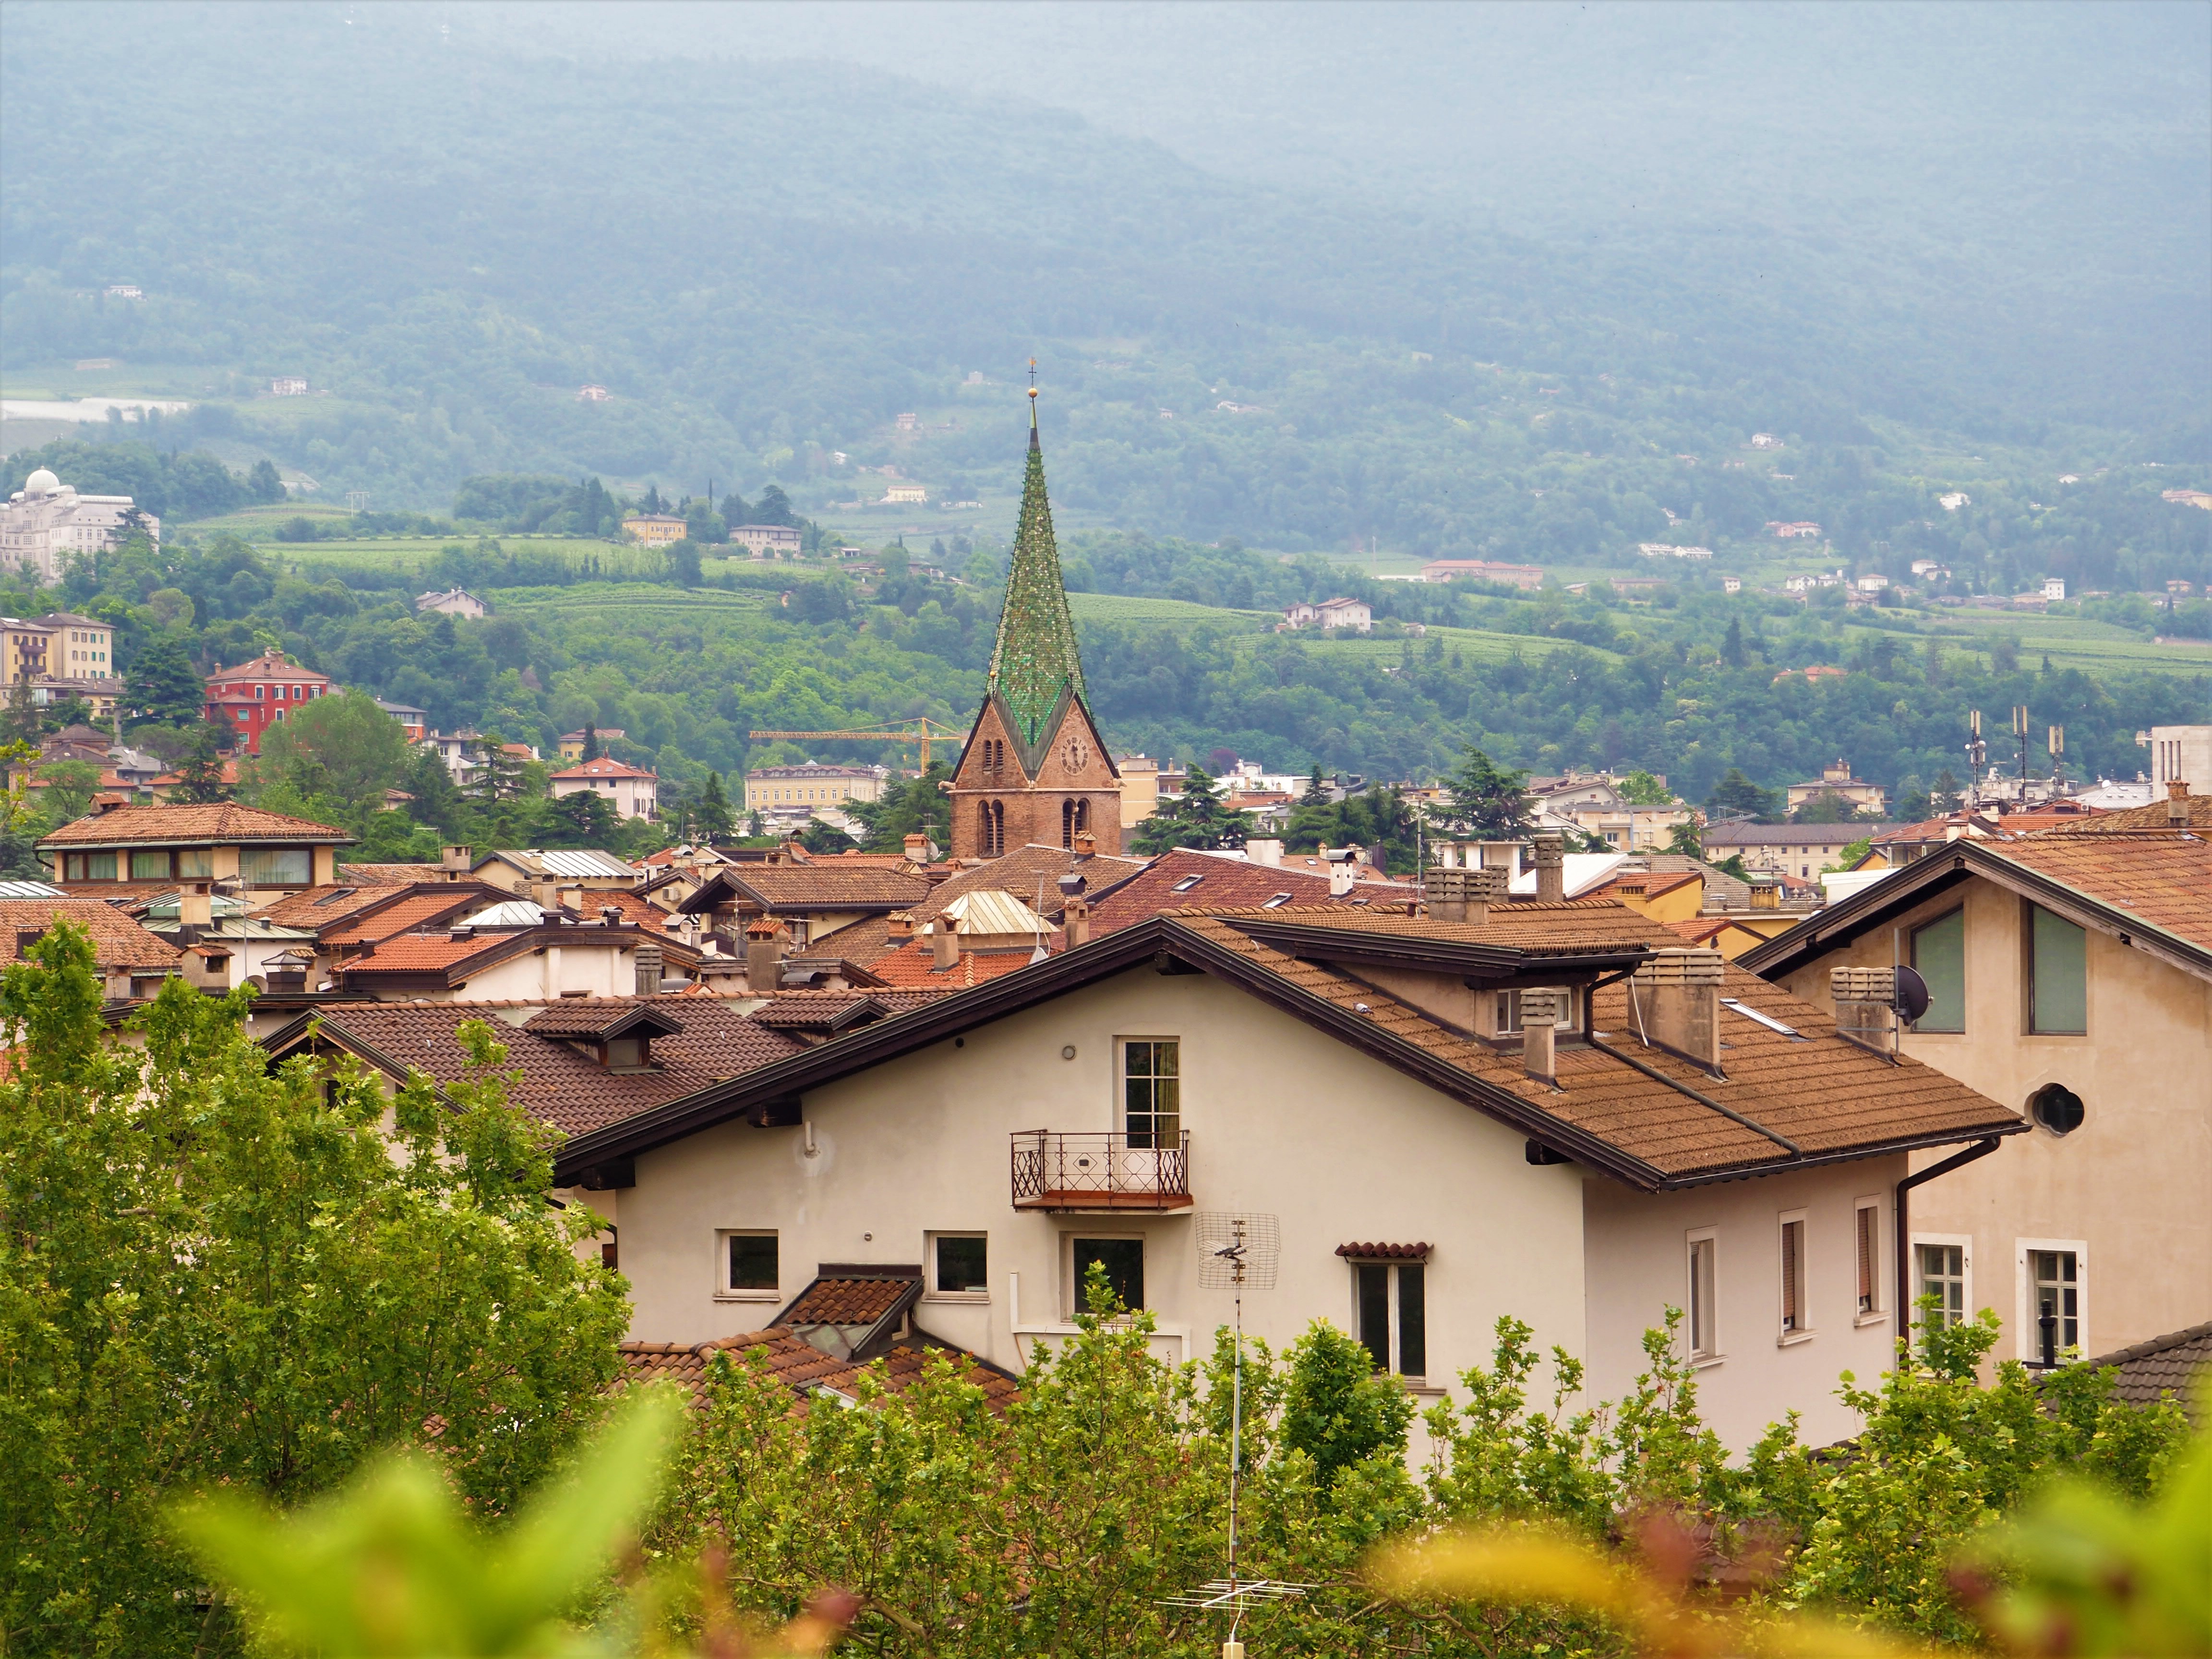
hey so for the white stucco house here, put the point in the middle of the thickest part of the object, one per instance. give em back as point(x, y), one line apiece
point(47, 521)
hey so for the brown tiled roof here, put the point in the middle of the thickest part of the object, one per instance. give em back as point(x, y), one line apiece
point(861, 941)
point(817, 1010)
point(1230, 882)
point(118, 942)
point(2151, 816)
point(789, 1358)
point(638, 912)
point(1825, 1094)
point(421, 953)
point(317, 908)
point(226, 821)
point(826, 886)
point(1384, 1252)
point(567, 1089)
point(2169, 1364)
point(850, 1301)
point(601, 1016)
point(914, 966)
point(2163, 879)
point(602, 767)
point(387, 874)
point(1032, 874)
point(412, 911)
point(1562, 928)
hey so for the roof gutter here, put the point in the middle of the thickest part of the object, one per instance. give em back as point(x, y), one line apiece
point(1900, 1210)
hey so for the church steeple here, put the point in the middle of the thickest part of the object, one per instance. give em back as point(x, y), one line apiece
point(1035, 662)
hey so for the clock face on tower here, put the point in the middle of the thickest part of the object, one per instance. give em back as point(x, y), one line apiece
point(1075, 754)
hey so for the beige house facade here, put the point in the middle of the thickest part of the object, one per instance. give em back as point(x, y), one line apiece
point(2071, 974)
point(1378, 1111)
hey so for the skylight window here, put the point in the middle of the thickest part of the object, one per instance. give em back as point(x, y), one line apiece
point(1277, 902)
point(1767, 1020)
point(336, 894)
point(1186, 884)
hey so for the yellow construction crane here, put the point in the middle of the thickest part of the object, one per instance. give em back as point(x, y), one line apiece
point(921, 732)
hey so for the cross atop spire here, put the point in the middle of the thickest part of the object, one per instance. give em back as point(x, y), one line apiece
point(1036, 659)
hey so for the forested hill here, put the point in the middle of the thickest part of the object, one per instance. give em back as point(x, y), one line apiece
point(449, 232)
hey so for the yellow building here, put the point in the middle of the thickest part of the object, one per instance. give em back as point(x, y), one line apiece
point(654, 529)
point(770, 789)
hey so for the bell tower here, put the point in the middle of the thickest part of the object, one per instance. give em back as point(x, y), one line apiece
point(1034, 768)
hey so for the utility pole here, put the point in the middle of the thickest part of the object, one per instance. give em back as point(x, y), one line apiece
point(2020, 731)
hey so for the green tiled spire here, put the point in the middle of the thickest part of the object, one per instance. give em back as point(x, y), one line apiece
point(1035, 658)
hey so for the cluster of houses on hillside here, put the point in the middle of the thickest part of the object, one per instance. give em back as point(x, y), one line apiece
point(868, 1105)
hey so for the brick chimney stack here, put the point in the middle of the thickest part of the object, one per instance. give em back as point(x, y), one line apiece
point(2177, 804)
point(1075, 918)
point(1678, 994)
point(917, 849)
point(1550, 850)
point(648, 969)
point(1459, 894)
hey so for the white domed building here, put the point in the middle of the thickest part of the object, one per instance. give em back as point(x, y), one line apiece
point(47, 521)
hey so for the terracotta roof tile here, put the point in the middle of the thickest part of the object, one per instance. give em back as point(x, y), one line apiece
point(388, 874)
point(825, 886)
point(1825, 1094)
point(317, 908)
point(2169, 1364)
point(602, 767)
point(1032, 874)
point(861, 941)
point(568, 1090)
point(2162, 878)
point(850, 1301)
point(1384, 1252)
point(417, 910)
point(1168, 884)
point(2134, 818)
point(789, 1358)
point(225, 820)
point(118, 942)
point(914, 966)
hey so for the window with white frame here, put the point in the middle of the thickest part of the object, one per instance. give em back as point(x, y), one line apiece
point(1796, 1322)
point(2053, 1312)
point(960, 1265)
point(749, 1267)
point(1151, 1092)
point(1701, 1309)
point(1509, 1010)
point(1390, 1311)
point(1942, 1267)
point(1866, 1240)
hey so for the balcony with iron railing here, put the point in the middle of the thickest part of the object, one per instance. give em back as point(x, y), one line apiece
point(1101, 1171)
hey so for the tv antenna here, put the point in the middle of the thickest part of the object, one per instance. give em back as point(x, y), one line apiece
point(1237, 1253)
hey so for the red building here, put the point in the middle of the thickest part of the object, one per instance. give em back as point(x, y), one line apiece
point(253, 696)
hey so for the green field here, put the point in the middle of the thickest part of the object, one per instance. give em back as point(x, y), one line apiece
point(1173, 613)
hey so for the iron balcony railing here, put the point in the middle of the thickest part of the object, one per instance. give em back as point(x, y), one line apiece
point(1100, 1170)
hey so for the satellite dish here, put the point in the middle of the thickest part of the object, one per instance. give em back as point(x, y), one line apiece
point(1912, 994)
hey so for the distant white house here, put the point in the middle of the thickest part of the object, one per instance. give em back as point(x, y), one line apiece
point(454, 602)
point(288, 385)
point(905, 492)
point(592, 394)
point(46, 520)
point(125, 291)
point(1731, 584)
point(1354, 614)
point(1954, 500)
point(1668, 550)
point(1871, 583)
point(2054, 587)
point(1800, 528)
point(632, 793)
point(764, 539)
point(1764, 440)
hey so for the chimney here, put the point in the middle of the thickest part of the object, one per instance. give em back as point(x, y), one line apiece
point(2177, 804)
point(944, 942)
point(454, 862)
point(1765, 892)
point(1444, 891)
point(648, 969)
point(1549, 850)
point(1678, 998)
point(1086, 844)
point(899, 925)
point(1339, 870)
point(1075, 919)
point(1265, 849)
point(1539, 1011)
point(1864, 997)
point(545, 892)
point(195, 907)
point(764, 942)
point(917, 849)
point(1494, 855)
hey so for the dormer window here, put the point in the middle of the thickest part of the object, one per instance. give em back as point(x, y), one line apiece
point(1186, 884)
point(1276, 902)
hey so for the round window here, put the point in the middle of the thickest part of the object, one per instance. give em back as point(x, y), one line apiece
point(2057, 1108)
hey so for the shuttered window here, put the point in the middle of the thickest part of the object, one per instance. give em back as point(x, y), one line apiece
point(1793, 1278)
point(1868, 1220)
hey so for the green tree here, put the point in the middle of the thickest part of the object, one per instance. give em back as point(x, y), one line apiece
point(1736, 794)
point(1640, 788)
point(711, 812)
point(340, 749)
point(1488, 800)
point(912, 806)
point(1338, 1408)
point(1195, 817)
point(1317, 790)
point(683, 564)
point(200, 773)
point(69, 786)
point(217, 1274)
point(591, 742)
point(263, 483)
point(1732, 651)
point(1826, 807)
point(163, 686)
point(1684, 838)
point(584, 818)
